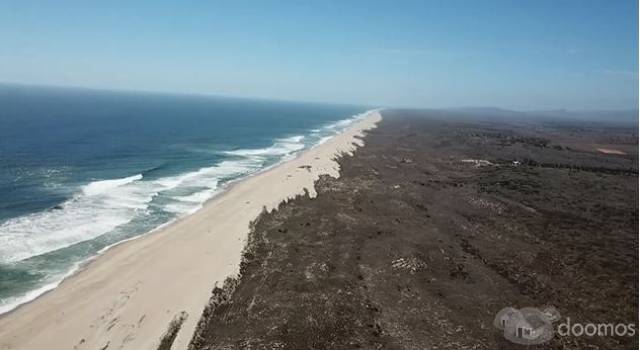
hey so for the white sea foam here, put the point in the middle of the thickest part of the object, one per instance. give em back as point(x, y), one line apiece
point(197, 197)
point(11, 303)
point(101, 206)
point(323, 140)
point(281, 147)
point(100, 187)
point(98, 208)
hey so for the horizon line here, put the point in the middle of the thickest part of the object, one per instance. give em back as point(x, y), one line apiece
point(285, 100)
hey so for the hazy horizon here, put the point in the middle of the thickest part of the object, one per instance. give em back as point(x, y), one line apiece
point(541, 55)
point(268, 99)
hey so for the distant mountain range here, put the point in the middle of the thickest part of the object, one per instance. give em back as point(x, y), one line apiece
point(621, 117)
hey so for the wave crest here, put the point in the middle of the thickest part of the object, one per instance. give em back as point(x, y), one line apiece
point(280, 147)
point(100, 187)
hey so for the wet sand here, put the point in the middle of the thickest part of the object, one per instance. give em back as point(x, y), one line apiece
point(127, 297)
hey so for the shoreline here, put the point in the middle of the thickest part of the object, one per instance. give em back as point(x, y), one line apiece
point(127, 295)
point(79, 266)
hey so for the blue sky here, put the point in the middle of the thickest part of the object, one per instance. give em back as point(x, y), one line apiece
point(512, 54)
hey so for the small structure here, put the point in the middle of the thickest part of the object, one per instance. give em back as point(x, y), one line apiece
point(527, 326)
point(503, 316)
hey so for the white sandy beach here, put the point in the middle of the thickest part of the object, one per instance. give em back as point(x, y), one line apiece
point(126, 298)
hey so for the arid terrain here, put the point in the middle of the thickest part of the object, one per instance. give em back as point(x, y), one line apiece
point(441, 220)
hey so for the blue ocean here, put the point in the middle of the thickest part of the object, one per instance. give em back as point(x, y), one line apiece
point(81, 170)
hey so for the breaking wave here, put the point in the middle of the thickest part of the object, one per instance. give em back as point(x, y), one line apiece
point(105, 206)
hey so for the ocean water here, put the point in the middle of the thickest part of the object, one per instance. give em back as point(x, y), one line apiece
point(82, 170)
